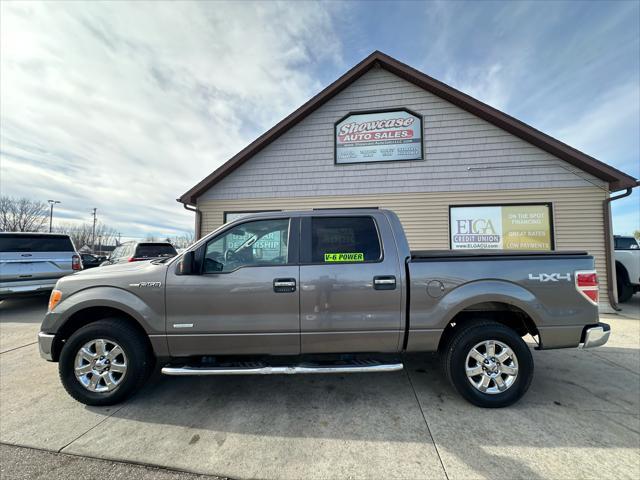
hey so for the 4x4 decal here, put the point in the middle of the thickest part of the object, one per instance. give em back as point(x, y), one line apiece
point(550, 277)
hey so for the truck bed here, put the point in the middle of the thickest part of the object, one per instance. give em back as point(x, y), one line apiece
point(430, 255)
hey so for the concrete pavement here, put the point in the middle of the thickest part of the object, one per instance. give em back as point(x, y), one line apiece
point(581, 417)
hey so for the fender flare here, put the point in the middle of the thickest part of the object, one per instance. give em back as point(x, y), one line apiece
point(104, 296)
point(483, 291)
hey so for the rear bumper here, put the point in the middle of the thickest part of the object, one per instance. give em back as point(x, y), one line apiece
point(595, 335)
point(9, 289)
point(45, 345)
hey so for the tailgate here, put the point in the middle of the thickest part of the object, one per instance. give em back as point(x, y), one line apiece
point(16, 266)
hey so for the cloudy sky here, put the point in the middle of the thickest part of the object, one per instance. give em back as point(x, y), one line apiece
point(124, 106)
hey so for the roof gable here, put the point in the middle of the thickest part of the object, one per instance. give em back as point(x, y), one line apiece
point(617, 180)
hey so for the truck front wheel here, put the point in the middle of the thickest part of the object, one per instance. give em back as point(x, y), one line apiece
point(104, 363)
point(488, 364)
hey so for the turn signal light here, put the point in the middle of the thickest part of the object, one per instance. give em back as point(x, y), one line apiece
point(587, 285)
point(54, 299)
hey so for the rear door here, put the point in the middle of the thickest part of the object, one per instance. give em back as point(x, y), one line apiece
point(26, 256)
point(350, 292)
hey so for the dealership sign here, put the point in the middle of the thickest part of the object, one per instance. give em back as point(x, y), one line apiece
point(378, 137)
point(508, 227)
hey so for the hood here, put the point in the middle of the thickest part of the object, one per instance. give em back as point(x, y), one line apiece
point(120, 275)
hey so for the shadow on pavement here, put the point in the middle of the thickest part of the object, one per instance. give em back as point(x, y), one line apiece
point(29, 309)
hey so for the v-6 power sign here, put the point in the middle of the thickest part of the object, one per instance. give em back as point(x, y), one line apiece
point(379, 137)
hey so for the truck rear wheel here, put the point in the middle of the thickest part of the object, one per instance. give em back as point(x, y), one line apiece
point(625, 289)
point(105, 362)
point(488, 364)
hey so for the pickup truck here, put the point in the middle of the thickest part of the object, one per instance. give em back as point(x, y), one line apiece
point(319, 292)
point(627, 253)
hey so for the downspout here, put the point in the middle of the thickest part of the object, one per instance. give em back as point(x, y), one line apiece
point(198, 213)
point(612, 290)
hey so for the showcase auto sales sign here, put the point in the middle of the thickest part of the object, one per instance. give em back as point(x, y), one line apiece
point(378, 137)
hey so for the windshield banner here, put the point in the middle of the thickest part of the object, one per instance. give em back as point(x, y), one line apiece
point(509, 227)
point(379, 137)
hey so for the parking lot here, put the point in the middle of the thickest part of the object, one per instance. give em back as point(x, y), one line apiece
point(580, 419)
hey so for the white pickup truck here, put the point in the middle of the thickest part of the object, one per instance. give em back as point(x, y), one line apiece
point(627, 267)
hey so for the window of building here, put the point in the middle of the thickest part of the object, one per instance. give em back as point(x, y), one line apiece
point(344, 240)
point(261, 242)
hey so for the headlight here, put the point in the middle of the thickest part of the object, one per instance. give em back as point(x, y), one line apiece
point(54, 299)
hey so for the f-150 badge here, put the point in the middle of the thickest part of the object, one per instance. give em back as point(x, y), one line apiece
point(146, 284)
point(550, 277)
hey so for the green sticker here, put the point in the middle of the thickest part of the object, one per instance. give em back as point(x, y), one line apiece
point(344, 257)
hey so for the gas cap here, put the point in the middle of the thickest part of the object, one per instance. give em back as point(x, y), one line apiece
point(435, 288)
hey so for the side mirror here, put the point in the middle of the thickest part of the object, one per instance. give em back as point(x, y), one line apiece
point(186, 264)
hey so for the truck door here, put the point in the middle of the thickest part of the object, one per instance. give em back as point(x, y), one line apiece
point(245, 298)
point(350, 292)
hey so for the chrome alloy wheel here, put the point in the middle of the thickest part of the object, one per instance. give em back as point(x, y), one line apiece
point(491, 367)
point(100, 365)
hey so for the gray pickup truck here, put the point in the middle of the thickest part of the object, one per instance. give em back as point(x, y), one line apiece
point(319, 292)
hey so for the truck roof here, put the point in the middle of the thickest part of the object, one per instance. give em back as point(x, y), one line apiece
point(314, 212)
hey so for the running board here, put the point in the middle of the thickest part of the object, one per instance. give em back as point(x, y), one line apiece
point(263, 369)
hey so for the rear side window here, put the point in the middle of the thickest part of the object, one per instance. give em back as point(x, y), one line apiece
point(344, 240)
point(152, 250)
point(625, 243)
point(35, 243)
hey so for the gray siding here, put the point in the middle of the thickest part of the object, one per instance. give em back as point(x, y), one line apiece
point(301, 162)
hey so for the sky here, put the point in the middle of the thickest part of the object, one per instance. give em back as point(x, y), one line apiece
point(125, 106)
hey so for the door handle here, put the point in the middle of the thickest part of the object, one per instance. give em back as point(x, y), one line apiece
point(284, 285)
point(384, 282)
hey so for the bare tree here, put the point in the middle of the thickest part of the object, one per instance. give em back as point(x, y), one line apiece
point(82, 234)
point(22, 214)
point(183, 241)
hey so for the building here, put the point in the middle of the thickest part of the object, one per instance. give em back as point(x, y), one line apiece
point(459, 173)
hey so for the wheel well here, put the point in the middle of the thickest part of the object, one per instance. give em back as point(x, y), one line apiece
point(504, 313)
point(622, 270)
point(89, 315)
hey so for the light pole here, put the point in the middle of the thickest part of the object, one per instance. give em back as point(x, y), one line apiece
point(93, 233)
point(52, 203)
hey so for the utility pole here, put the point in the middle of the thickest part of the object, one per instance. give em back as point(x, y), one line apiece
point(52, 203)
point(93, 234)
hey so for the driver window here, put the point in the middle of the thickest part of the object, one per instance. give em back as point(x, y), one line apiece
point(262, 242)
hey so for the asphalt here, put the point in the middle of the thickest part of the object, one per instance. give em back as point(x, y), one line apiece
point(580, 419)
point(20, 463)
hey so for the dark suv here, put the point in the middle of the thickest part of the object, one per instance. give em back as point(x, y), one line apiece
point(136, 251)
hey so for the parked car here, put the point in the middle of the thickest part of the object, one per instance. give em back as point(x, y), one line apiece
point(33, 262)
point(319, 292)
point(627, 253)
point(137, 251)
point(91, 261)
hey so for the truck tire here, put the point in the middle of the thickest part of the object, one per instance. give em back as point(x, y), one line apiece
point(625, 289)
point(104, 362)
point(488, 364)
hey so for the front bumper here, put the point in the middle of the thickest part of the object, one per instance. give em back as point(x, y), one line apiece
point(595, 335)
point(45, 345)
